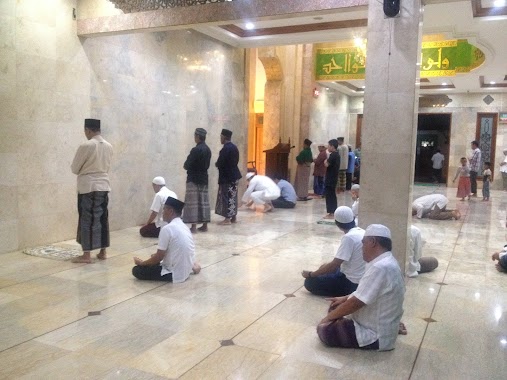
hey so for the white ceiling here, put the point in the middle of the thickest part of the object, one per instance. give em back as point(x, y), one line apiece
point(452, 19)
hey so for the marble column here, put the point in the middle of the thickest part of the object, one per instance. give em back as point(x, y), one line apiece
point(390, 121)
point(272, 97)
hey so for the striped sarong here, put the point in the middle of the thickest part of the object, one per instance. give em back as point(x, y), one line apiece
point(196, 208)
point(93, 225)
point(227, 200)
point(341, 333)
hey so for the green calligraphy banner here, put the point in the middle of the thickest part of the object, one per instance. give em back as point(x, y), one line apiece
point(438, 59)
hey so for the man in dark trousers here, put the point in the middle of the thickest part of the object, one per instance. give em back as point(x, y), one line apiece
point(332, 168)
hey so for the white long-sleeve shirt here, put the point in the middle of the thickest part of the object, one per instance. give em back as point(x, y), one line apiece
point(261, 183)
point(91, 164)
point(427, 203)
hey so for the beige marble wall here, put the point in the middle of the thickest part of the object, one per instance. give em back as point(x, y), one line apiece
point(329, 115)
point(142, 89)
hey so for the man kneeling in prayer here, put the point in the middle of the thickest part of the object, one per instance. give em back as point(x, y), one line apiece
point(175, 257)
point(375, 309)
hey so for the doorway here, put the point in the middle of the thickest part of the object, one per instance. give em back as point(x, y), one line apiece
point(433, 133)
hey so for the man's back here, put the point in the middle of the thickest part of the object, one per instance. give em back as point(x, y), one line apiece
point(176, 239)
point(351, 251)
point(287, 191)
point(91, 164)
point(438, 160)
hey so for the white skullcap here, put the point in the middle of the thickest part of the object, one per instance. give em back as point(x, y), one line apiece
point(249, 175)
point(377, 230)
point(159, 181)
point(344, 215)
point(355, 187)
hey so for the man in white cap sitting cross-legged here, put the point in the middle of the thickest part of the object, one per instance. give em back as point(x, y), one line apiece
point(156, 220)
point(369, 318)
point(340, 276)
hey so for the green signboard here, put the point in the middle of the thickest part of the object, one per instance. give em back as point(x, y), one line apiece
point(438, 59)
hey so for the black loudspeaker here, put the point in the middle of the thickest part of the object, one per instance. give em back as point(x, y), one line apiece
point(391, 8)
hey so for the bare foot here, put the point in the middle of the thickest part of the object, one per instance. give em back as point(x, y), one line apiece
point(329, 216)
point(267, 208)
point(193, 230)
point(196, 268)
point(102, 255)
point(402, 330)
point(225, 222)
point(456, 214)
point(82, 260)
point(233, 219)
point(203, 228)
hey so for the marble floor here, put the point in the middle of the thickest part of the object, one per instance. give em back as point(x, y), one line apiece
point(246, 315)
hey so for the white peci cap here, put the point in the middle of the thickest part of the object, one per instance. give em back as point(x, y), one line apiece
point(377, 230)
point(344, 215)
point(249, 175)
point(159, 181)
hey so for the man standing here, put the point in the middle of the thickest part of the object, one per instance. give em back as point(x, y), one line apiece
point(376, 307)
point(351, 166)
point(332, 168)
point(197, 208)
point(288, 195)
point(343, 151)
point(475, 166)
point(319, 171)
point(156, 220)
point(438, 162)
point(304, 160)
point(91, 164)
point(340, 276)
point(175, 256)
point(228, 178)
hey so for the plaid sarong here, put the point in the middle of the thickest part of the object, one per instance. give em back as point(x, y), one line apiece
point(227, 200)
point(196, 208)
point(93, 225)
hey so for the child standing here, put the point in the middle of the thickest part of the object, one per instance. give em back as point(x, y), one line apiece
point(464, 187)
point(486, 178)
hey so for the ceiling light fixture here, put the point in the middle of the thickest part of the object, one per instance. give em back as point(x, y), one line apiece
point(249, 26)
point(499, 3)
point(492, 82)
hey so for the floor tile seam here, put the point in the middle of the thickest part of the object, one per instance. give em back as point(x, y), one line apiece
point(47, 332)
point(462, 223)
point(70, 268)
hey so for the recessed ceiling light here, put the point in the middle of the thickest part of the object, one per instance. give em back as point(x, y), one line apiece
point(492, 82)
point(444, 84)
point(249, 26)
point(499, 3)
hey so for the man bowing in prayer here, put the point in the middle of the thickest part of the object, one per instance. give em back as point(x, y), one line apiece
point(196, 196)
point(91, 165)
point(228, 178)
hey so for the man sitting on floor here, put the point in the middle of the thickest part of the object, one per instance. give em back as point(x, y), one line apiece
point(433, 206)
point(260, 192)
point(376, 307)
point(501, 257)
point(175, 257)
point(340, 276)
point(156, 220)
point(288, 195)
point(416, 263)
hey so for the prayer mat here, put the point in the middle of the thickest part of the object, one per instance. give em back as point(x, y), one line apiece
point(328, 222)
point(52, 252)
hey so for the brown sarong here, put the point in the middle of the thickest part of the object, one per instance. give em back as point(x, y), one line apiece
point(302, 178)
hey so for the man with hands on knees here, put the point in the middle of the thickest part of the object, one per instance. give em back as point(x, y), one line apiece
point(369, 318)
